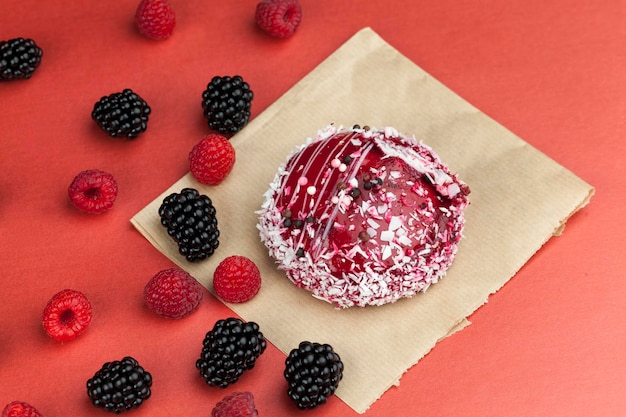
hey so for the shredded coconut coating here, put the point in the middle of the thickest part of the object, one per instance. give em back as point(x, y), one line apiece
point(363, 216)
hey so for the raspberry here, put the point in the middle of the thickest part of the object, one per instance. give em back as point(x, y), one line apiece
point(191, 221)
point(211, 159)
point(20, 409)
point(119, 385)
point(67, 315)
point(93, 191)
point(173, 293)
point(236, 279)
point(155, 19)
point(122, 114)
point(228, 350)
point(237, 404)
point(313, 372)
point(279, 18)
point(19, 58)
point(226, 103)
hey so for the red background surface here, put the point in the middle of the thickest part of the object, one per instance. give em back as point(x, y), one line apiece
point(550, 343)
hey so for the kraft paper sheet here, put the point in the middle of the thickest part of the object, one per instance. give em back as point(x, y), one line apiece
point(520, 198)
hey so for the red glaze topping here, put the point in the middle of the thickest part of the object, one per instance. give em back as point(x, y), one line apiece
point(363, 216)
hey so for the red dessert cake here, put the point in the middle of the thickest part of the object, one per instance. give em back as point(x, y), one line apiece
point(363, 216)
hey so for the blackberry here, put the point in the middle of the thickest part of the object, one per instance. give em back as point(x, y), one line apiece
point(313, 372)
point(122, 114)
point(226, 103)
point(19, 58)
point(119, 385)
point(191, 221)
point(228, 350)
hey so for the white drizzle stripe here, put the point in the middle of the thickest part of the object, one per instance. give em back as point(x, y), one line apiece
point(353, 170)
point(312, 160)
point(330, 155)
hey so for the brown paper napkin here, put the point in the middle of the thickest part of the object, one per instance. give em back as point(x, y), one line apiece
point(520, 198)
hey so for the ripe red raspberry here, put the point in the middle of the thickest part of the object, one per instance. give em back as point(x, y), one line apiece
point(93, 191)
point(211, 159)
point(236, 279)
point(279, 18)
point(237, 404)
point(173, 293)
point(155, 19)
point(20, 409)
point(67, 315)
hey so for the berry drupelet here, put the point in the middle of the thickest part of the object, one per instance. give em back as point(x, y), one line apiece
point(19, 58)
point(190, 219)
point(226, 103)
point(228, 350)
point(122, 114)
point(119, 386)
point(313, 372)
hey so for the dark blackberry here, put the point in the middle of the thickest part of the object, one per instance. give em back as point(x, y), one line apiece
point(313, 372)
point(19, 58)
point(228, 350)
point(226, 103)
point(119, 386)
point(122, 114)
point(191, 221)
